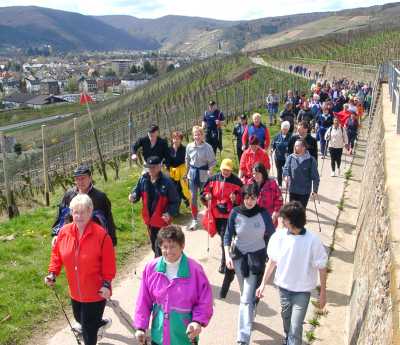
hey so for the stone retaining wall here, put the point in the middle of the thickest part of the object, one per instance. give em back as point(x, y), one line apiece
point(370, 310)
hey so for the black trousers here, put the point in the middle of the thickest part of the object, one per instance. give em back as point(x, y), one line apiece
point(239, 152)
point(302, 198)
point(336, 157)
point(214, 138)
point(180, 192)
point(221, 227)
point(153, 232)
point(279, 169)
point(89, 315)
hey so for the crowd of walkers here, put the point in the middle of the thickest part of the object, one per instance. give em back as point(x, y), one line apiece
point(175, 297)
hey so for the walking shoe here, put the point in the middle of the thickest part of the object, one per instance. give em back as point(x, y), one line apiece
point(333, 174)
point(241, 343)
point(193, 225)
point(338, 172)
point(106, 323)
point(77, 330)
point(222, 268)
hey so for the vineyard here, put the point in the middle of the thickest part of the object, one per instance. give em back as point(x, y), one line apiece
point(360, 47)
point(176, 101)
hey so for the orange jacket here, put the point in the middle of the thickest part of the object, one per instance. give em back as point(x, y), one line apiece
point(88, 261)
point(249, 158)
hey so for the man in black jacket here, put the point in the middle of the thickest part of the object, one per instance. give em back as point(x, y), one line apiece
point(303, 133)
point(101, 204)
point(152, 145)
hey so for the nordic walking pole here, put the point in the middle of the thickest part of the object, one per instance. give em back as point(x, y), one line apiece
point(208, 230)
point(324, 155)
point(316, 212)
point(133, 236)
point(66, 316)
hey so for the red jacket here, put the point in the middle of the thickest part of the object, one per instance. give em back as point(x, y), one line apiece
point(158, 198)
point(270, 197)
point(342, 116)
point(249, 158)
point(88, 261)
point(220, 189)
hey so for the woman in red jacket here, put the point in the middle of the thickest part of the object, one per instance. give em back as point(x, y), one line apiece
point(270, 196)
point(251, 156)
point(86, 251)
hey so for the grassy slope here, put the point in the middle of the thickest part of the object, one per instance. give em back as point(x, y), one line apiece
point(23, 261)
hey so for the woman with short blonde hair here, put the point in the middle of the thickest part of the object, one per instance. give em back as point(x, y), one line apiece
point(200, 159)
point(86, 251)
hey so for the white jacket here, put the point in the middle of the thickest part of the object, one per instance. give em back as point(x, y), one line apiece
point(337, 137)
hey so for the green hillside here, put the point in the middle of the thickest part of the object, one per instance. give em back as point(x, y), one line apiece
point(369, 48)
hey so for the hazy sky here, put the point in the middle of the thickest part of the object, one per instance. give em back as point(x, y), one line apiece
point(219, 9)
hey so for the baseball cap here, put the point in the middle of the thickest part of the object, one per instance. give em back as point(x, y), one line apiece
point(226, 164)
point(153, 128)
point(212, 103)
point(243, 117)
point(152, 161)
point(82, 170)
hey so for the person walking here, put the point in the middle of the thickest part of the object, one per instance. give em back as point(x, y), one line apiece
point(159, 197)
point(324, 121)
point(301, 174)
point(303, 132)
point(270, 196)
point(258, 129)
point(238, 132)
point(352, 126)
point(272, 105)
point(200, 160)
point(336, 136)
point(102, 213)
point(251, 156)
point(280, 147)
point(213, 121)
point(177, 167)
point(86, 252)
point(298, 256)
point(287, 114)
point(151, 145)
point(174, 293)
point(221, 193)
point(246, 238)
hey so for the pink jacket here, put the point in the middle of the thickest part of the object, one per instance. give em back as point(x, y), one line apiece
point(173, 304)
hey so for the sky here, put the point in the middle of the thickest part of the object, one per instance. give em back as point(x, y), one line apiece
point(217, 9)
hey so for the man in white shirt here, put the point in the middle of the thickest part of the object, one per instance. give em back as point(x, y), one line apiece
point(298, 255)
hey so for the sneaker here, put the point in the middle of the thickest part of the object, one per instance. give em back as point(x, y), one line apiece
point(77, 329)
point(222, 268)
point(193, 225)
point(338, 172)
point(106, 323)
point(241, 343)
point(333, 174)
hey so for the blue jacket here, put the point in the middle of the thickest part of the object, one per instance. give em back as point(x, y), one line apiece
point(303, 173)
point(280, 144)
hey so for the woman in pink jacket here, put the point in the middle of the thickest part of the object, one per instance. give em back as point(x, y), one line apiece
point(174, 292)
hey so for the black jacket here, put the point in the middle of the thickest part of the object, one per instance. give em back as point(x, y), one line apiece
point(176, 158)
point(101, 211)
point(160, 149)
point(311, 142)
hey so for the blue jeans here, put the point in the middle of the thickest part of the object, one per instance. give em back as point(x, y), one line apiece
point(247, 302)
point(294, 308)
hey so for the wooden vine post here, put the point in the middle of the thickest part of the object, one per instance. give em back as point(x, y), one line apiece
point(11, 207)
point(45, 168)
point(77, 146)
point(130, 127)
